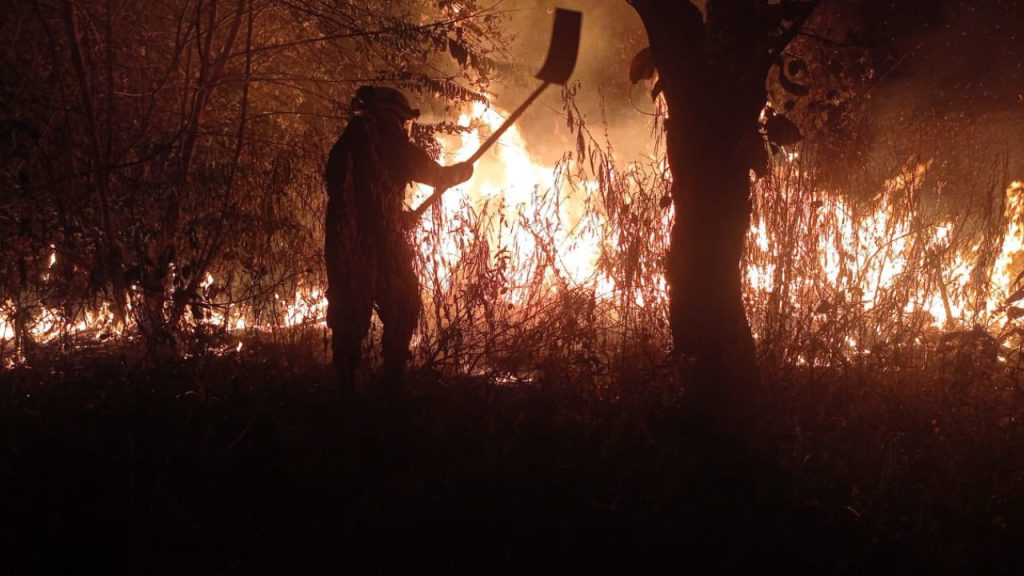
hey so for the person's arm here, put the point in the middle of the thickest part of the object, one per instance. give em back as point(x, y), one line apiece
point(421, 168)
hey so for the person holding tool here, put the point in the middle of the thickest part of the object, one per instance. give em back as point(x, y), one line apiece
point(369, 260)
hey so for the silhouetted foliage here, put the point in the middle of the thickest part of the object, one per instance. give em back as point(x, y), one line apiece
point(150, 145)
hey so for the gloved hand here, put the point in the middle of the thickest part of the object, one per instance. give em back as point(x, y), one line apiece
point(456, 174)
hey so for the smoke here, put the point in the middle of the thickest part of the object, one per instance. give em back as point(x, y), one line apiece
point(951, 92)
point(951, 88)
point(612, 35)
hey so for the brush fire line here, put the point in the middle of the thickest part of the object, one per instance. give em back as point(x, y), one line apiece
point(542, 227)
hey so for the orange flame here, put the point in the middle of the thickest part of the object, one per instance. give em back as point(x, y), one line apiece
point(857, 260)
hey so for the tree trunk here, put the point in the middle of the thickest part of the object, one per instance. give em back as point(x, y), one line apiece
point(713, 109)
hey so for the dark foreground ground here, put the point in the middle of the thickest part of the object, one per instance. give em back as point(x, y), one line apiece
point(229, 466)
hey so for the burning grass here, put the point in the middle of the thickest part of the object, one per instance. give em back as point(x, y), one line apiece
point(531, 266)
point(831, 280)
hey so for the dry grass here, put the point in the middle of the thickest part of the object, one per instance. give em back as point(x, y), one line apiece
point(833, 281)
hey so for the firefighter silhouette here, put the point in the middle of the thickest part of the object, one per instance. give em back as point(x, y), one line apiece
point(368, 256)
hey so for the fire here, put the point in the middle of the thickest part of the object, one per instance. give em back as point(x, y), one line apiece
point(881, 270)
point(521, 200)
point(1011, 258)
point(307, 307)
point(6, 327)
point(522, 233)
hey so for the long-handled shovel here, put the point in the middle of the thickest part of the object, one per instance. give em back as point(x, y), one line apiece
point(561, 60)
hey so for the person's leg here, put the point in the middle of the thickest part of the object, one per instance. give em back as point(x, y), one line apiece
point(399, 308)
point(349, 308)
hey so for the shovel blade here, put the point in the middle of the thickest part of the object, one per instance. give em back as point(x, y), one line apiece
point(564, 49)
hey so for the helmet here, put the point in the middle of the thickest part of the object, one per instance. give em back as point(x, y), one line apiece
point(380, 99)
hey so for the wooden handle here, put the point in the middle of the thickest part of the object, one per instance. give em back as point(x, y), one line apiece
point(491, 141)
